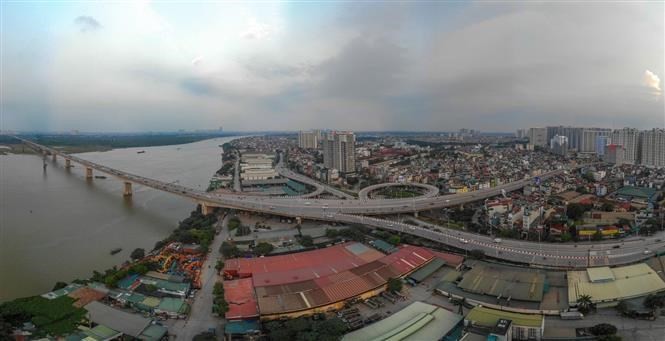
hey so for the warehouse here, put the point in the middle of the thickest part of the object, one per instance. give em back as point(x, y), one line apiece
point(505, 282)
point(418, 321)
point(608, 286)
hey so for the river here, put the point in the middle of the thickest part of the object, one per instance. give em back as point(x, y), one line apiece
point(57, 226)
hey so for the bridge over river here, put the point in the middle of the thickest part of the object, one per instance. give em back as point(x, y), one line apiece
point(363, 211)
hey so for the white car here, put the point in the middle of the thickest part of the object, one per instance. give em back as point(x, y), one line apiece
point(464, 241)
point(497, 240)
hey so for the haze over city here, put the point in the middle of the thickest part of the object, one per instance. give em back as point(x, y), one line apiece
point(290, 65)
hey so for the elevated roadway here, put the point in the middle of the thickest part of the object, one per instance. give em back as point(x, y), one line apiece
point(430, 191)
point(357, 211)
point(320, 188)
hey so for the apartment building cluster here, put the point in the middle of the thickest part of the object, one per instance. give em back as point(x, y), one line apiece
point(338, 148)
point(620, 146)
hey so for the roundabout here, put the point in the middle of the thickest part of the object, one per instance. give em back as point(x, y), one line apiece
point(398, 190)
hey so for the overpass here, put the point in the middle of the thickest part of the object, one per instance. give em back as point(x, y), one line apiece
point(360, 211)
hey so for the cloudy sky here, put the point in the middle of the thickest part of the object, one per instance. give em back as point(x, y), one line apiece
point(435, 66)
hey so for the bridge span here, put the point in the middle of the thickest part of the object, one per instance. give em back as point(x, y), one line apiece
point(360, 211)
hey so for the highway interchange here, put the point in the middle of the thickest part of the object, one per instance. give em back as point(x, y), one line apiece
point(355, 211)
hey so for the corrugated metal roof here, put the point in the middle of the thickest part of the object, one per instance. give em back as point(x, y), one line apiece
point(418, 321)
point(427, 270)
point(600, 274)
point(489, 317)
point(630, 281)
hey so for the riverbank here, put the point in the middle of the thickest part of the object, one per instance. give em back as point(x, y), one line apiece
point(85, 143)
point(58, 212)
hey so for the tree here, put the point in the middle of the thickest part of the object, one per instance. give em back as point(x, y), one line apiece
point(597, 236)
point(622, 307)
point(654, 301)
point(566, 237)
point(603, 329)
point(584, 303)
point(263, 248)
point(137, 254)
point(607, 207)
point(394, 239)
point(229, 250)
point(330, 329)
point(395, 284)
point(220, 265)
point(575, 211)
point(306, 240)
point(59, 285)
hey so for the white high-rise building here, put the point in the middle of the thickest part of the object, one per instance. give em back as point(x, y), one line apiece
point(308, 139)
point(589, 139)
point(653, 148)
point(538, 137)
point(629, 138)
point(339, 151)
point(559, 144)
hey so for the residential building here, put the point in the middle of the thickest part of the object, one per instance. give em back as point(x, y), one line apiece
point(601, 142)
point(559, 145)
point(339, 151)
point(630, 140)
point(538, 137)
point(308, 139)
point(653, 148)
point(589, 139)
point(614, 154)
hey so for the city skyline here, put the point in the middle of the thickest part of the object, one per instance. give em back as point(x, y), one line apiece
point(385, 66)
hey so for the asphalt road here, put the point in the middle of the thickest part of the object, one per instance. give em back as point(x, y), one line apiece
point(200, 318)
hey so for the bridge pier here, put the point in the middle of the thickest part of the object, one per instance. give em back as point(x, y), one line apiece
point(88, 173)
point(128, 189)
point(205, 209)
point(68, 163)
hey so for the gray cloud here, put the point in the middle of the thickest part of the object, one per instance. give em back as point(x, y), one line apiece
point(87, 23)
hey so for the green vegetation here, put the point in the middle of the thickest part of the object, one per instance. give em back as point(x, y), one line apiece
point(196, 229)
point(576, 211)
point(306, 240)
point(219, 304)
point(584, 303)
point(603, 329)
point(101, 142)
point(58, 286)
point(243, 230)
point(234, 223)
point(51, 317)
point(263, 248)
point(394, 239)
point(303, 328)
point(349, 233)
point(137, 254)
point(391, 193)
point(112, 276)
point(395, 284)
point(229, 250)
point(220, 265)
